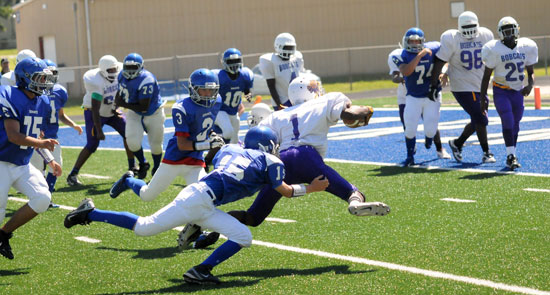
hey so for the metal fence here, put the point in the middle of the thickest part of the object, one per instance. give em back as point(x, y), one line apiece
point(343, 64)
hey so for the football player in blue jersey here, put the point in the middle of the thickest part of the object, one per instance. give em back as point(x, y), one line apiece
point(58, 97)
point(139, 92)
point(25, 109)
point(415, 63)
point(193, 118)
point(239, 172)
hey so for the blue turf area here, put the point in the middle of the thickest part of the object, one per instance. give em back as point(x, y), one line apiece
point(383, 141)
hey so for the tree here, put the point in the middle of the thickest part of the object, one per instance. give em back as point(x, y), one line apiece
point(5, 11)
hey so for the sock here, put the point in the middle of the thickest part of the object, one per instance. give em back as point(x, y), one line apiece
point(222, 253)
point(139, 155)
point(429, 142)
point(411, 144)
point(51, 179)
point(510, 150)
point(121, 219)
point(74, 171)
point(156, 161)
point(135, 184)
point(131, 163)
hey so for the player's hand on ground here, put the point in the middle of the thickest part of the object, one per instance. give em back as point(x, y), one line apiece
point(78, 128)
point(216, 141)
point(526, 90)
point(56, 168)
point(320, 183)
point(48, 144)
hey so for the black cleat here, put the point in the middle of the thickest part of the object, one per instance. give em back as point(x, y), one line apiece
point(206, 239)
point(72, 180)
point(5, 248)
point(188, 235)
point(457, 151)
point(142, 172)
point(512, 162)
point(80, 214)
point(120, 185)
point(200, 274)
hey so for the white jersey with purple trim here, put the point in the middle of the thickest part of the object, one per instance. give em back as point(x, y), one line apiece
point(94, 82)
point(8, 79)
point(464, 58)
point(401, 89)
point(509, 64)
point(309, 122)
point(283, 71)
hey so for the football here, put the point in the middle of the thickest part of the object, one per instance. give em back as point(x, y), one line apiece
point(360, 122)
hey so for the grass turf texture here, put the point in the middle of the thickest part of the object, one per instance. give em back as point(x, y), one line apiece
point(503, 237)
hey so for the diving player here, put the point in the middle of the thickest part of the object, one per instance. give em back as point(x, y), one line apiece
point(139, 92)
point(509, 57)
point(239, 172)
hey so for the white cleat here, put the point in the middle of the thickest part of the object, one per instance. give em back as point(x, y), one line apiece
point(368, 209)
point(443, 154)
point(188, 235)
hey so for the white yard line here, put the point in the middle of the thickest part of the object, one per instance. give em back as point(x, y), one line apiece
point(457, 200)
point(94, 176)
point(88, 240)
point(387, 265)
point(538, 190)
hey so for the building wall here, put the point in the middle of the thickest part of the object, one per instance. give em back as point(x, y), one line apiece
point(166, 28)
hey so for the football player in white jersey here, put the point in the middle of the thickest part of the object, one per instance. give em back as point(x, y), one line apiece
point(280, 68)
point(508, 58)
point(461, 49)
point(99, 109)
point(9, 77)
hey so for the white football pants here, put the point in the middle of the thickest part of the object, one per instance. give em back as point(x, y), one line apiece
point(230, 125)
point(153, 125)
point(38, 162)
point(164, 177)
point(416, 108)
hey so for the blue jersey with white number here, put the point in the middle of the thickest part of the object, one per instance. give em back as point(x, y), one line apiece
point(194, 122)
point(242, 172)
point(144, 86)
point(58, 97)
point(418, 83)
point(232, 91)
point(31, 115)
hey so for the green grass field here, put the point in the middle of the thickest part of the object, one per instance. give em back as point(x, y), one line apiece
point(502, 237)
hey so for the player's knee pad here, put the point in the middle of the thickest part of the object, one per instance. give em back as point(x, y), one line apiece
point(156, 146)
point(145, 227)
point(134, 144)
point(241, 236)
point(146, 194)
point(244, 217)
point(40, 202)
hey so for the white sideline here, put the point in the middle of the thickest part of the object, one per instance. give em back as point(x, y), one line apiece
point(538, 190)
point(387, 265)
point(457, 200)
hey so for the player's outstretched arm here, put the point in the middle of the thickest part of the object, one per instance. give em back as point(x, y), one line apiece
point(320, 183)
point(16, 137)
point(484, 104)
point(67, 121)
point(273, 91)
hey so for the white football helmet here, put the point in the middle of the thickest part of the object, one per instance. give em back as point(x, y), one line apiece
point(257, 113)
point(25, 53)
point(303, 88)
point(508, 27)
point(107, 62)
point(285, 45)
point(468, 24)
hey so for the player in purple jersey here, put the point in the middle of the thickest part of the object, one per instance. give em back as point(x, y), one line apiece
point(58, 97)
point(25, 109)
point(139, 92)
point(239, 172)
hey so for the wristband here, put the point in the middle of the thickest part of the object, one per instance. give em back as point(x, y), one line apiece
point(45, 154)
point(298, 190)
point(201, 145)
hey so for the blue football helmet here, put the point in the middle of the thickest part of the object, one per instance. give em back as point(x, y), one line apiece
point(413, 34)
point(132, 66)
point(53, 68)
point(33, 75)
point(261, 138)
point(207, 80)
point(232, 60)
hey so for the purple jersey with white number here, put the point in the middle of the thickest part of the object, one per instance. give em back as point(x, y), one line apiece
point(194, 122)
point(31, 115)
point(242, 172)
point(418, 83)
point(232, 91)
point(144, 86)
point(58, 97)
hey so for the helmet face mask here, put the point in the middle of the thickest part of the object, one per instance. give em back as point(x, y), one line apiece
point(415, 35)
point(53, 68)
point(32, 74)
point(261, 138)
point(203, 87)
point(132, 66)
point(304, 88)
point(109, 67)
point(257, 113)
point(232, 61)
point(508, 29)
point(285, 45)
point(468, 24)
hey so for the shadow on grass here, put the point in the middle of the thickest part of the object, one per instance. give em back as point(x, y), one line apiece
point(397, 170)
point(13, 272)
point(92, 189)
point(182, 287)
point(158, 253)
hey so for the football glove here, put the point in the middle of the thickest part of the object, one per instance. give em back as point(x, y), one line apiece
point(216, 141)
point(433, 92)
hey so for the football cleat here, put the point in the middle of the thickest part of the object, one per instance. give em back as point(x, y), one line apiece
point(72, 180)
point(457, 151)
point(53, 205)
point(206, 239)
point(488, 157)
point(80, 214)
point(5, 248)
point(512, 162)
point(200, 274)
point(120, 185)
point(443, 154)
point(368, 209)
point(142, 172)
point(408, 162)
point(188, 235)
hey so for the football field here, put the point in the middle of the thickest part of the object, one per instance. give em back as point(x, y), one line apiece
point(454, 228)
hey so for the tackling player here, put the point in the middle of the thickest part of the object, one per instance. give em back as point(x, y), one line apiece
point(462, 50)
point(240, 172)
point(99, 109)
point(25, 109)
point(139, 92)
point(509, 57)
point(280, 68)
point(415, 64)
